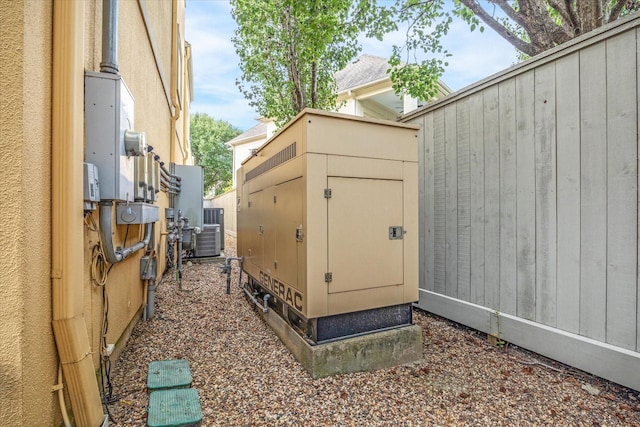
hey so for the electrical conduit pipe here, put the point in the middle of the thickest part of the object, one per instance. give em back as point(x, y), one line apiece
point(67, 240)
point(113, 256)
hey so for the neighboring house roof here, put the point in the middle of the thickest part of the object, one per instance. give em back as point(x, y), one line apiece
point(364, 69)
point(258, 131)
point(366, 76)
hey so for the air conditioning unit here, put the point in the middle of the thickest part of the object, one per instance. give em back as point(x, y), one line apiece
point(215, 216)
point(208, 241)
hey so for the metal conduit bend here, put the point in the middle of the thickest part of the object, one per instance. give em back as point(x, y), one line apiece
point(114, 256)
point(166, 171)
point(170, 185)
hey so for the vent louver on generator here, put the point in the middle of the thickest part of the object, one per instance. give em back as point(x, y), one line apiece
point(208, 241)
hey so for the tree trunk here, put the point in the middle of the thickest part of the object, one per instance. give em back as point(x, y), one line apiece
point(543, 30)
point(297, 95)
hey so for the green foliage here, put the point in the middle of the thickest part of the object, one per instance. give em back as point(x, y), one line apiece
point(208, 138)
point(290, 50)
point(427, 22)
point(531, 27)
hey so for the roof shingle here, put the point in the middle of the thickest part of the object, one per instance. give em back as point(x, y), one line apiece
point(364, 69)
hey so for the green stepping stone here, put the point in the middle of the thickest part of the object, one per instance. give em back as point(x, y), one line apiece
point(166, 374)
point(173, 408)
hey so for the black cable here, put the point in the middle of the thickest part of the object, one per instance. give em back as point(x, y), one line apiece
point(126, 233)
point(105, 360)
point(99, 274)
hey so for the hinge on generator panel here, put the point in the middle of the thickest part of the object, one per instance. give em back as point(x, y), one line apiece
point(328, 277)
point(327, 193)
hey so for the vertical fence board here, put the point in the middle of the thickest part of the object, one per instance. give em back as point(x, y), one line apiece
point(638, 204)
point(464, 202)
point(423, 214)
point(593, 192)
point(492, 199)
point(439, 202)
point(622, 192)
point(508, 177)
point(428, 221)
point(451, 201)
point(568, 161)
point(526, 198)
point(476, 172)
point(545, 146)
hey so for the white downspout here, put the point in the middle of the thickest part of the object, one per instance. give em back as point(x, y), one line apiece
point(67, 241)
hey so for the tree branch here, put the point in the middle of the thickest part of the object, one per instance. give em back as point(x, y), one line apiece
point(502, 31)
point(508, 10)
point(614, 13)
point(314, 84)
point(574, 17)
point(296, 96)
point(616, 10)
point(561, 8)
point(590, 14)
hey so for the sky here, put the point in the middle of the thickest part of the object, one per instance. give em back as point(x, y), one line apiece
point(209, 28)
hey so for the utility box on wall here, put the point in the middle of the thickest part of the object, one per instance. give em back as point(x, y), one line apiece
point(328, 222)
point(108, 109)
point(190, 200)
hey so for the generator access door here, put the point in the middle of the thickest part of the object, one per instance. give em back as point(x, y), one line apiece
point(282, 256)
point(254, 230)
point(365, 233)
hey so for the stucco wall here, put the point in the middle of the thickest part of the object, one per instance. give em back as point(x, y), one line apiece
point(146, 79)
point(28, 357)
point(10, 290)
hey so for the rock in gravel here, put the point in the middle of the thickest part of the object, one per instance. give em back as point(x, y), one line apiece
point(593, 391)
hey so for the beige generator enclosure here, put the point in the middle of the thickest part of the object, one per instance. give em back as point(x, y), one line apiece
point(328, 224)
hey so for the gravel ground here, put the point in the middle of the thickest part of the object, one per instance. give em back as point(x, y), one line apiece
point(246, 377)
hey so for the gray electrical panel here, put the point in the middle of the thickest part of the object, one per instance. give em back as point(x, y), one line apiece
point(108, 109)
point(190, 199)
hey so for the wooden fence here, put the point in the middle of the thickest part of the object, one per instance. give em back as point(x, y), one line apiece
point(529, 204)
point(228, 202)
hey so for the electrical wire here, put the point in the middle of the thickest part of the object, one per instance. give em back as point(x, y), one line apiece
point(91, 225)
point(99, 270)
point(105, 359)
point(99, 273)
point(126, 233)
